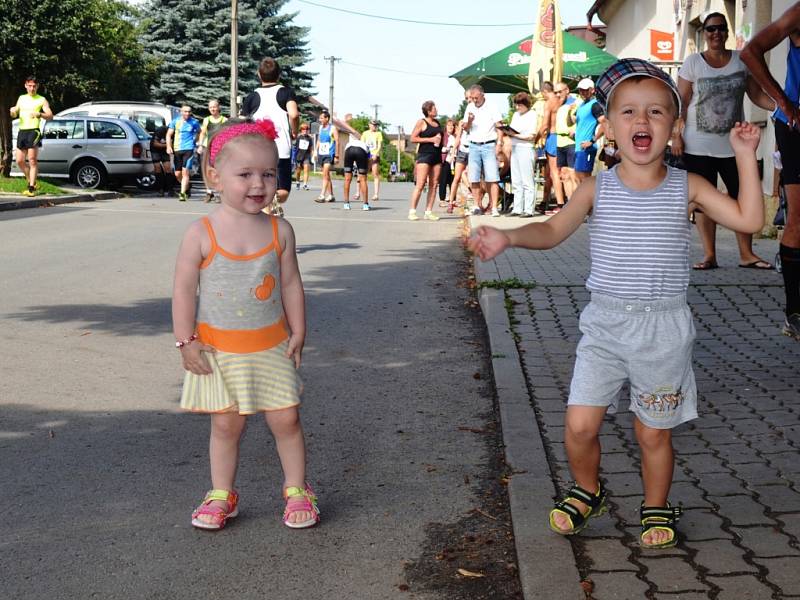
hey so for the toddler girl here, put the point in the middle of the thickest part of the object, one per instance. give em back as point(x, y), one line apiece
point(241, 337)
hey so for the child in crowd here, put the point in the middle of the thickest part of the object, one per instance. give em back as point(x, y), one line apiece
point(241, 337)
point(637, 327)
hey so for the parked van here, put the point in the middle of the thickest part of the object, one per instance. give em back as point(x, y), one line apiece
point(149, 115)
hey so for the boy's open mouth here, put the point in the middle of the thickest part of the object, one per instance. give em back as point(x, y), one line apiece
point(642, 140)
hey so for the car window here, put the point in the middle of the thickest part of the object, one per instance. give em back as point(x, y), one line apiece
point(63, 129)
point(105, 130)
point(137, 129)
point(149, 121)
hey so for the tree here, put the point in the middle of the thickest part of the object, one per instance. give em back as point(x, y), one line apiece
point(190, 42)
point(78, 50)
point(361, 123)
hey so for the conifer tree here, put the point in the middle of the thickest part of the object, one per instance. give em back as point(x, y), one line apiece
point(190, 42)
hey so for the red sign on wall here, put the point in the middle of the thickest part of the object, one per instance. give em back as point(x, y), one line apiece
point(662, 45)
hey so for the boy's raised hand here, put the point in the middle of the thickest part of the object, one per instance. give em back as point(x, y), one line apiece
point(488, 242)
point(745, 137)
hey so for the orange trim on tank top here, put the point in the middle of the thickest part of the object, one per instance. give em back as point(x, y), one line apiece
point(244, 341)
point(216, 248)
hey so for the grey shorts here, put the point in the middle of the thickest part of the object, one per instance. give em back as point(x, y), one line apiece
point(647, 343)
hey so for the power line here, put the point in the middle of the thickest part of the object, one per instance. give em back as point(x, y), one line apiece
point(347, 62)
point(396, 19)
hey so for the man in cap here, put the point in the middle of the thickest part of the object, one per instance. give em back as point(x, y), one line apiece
point(589, 119)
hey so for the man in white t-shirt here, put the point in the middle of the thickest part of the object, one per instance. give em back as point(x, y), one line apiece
point(482, 120)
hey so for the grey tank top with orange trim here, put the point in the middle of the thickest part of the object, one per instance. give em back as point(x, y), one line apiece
point(240, 292)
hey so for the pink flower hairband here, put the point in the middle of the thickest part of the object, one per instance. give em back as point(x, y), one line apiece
point(262, 127)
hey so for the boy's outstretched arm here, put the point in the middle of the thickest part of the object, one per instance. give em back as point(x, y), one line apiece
point(747, 214)
point(487, 242)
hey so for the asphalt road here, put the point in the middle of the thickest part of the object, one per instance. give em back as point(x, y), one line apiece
point(100, 470)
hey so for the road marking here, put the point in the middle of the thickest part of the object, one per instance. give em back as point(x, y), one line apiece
point(290, 218)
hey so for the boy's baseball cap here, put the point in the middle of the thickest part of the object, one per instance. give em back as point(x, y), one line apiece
point(626, 68)
point(585, 84)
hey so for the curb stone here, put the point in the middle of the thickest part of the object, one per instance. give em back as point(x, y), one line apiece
point(14, 202)
point(546, 562)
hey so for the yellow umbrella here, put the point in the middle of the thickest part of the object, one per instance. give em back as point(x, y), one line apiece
point(547, 47)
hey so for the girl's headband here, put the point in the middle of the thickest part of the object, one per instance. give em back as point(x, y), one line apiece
point(262, 127)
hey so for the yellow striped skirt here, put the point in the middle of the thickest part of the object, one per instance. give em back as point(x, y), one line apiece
point(244, 383)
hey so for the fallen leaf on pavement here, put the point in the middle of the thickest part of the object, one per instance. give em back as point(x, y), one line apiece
point(465, 573)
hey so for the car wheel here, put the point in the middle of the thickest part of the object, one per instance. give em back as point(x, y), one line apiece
point(89, 174)
point(146, 182)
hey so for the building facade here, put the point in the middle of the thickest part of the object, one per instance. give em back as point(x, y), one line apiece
point(666, 31)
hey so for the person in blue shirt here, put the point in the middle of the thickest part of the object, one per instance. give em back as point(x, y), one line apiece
point(182, 136)
point(589, 119)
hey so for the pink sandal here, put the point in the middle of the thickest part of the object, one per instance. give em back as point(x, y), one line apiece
point(298, 500)
point(218, 514)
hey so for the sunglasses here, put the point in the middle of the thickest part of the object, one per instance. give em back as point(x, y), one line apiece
point(715, 28)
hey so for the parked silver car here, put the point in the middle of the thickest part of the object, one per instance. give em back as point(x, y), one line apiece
point(91, 150)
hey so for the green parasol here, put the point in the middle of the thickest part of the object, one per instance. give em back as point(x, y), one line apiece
point(506, 71)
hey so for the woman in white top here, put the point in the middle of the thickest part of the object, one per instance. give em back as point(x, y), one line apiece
point(712, 85)
point(523, 128)
point(448, 158)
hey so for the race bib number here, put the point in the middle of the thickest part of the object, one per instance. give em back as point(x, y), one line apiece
point(303, 144)
point(372, 144)
point(324, 148)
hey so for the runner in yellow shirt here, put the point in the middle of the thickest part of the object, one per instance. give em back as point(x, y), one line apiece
point(31, 108)
point(374, 141)
point(209, 125)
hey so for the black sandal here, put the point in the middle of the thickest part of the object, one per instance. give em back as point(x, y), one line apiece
point(595, 501)
point(660, 517)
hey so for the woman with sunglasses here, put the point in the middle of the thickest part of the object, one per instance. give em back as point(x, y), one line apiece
point(712, 85)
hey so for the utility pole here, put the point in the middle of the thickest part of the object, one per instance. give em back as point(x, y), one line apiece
point(376, 107)
point(332, 60)
point(234, 58)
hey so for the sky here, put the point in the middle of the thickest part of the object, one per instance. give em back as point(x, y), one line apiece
point(400, 65)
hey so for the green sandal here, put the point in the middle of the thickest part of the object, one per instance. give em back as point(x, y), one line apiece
point(660, 517)
point(578, 520)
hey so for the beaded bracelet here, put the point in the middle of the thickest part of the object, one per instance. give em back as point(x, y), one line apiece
point(185, 342)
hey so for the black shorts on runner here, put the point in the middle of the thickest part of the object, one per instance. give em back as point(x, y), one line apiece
point(429, 159)
point(29, 138)
point(788, 144)
point(182, 159)
point(358, 156)
point(566, 156)
point(299, 161)
point(285, 174)
point(157, 156)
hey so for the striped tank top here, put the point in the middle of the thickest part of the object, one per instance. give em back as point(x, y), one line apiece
point(239, 307)
point(639, 240)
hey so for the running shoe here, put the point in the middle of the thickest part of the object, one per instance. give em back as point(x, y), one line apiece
point(182, 197)
point(375, 197)
point(357, 197)
point(208, 197)
point(320, 199)
point(346, 206)
point(429, 216)
point(305, 187)
point(365, 207)
point(791, 327)
point(495, 212)
point(29, 193)
point(477, 211)
point(297, 186)
point(412, 215)
point(330, 198)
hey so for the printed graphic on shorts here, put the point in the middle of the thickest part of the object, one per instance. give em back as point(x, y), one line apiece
point(660, 403)
point(719, 102)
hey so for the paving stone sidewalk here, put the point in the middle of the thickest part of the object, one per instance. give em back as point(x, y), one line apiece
point(738, 465)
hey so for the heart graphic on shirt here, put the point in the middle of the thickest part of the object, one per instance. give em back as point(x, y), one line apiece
point(264, 291)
